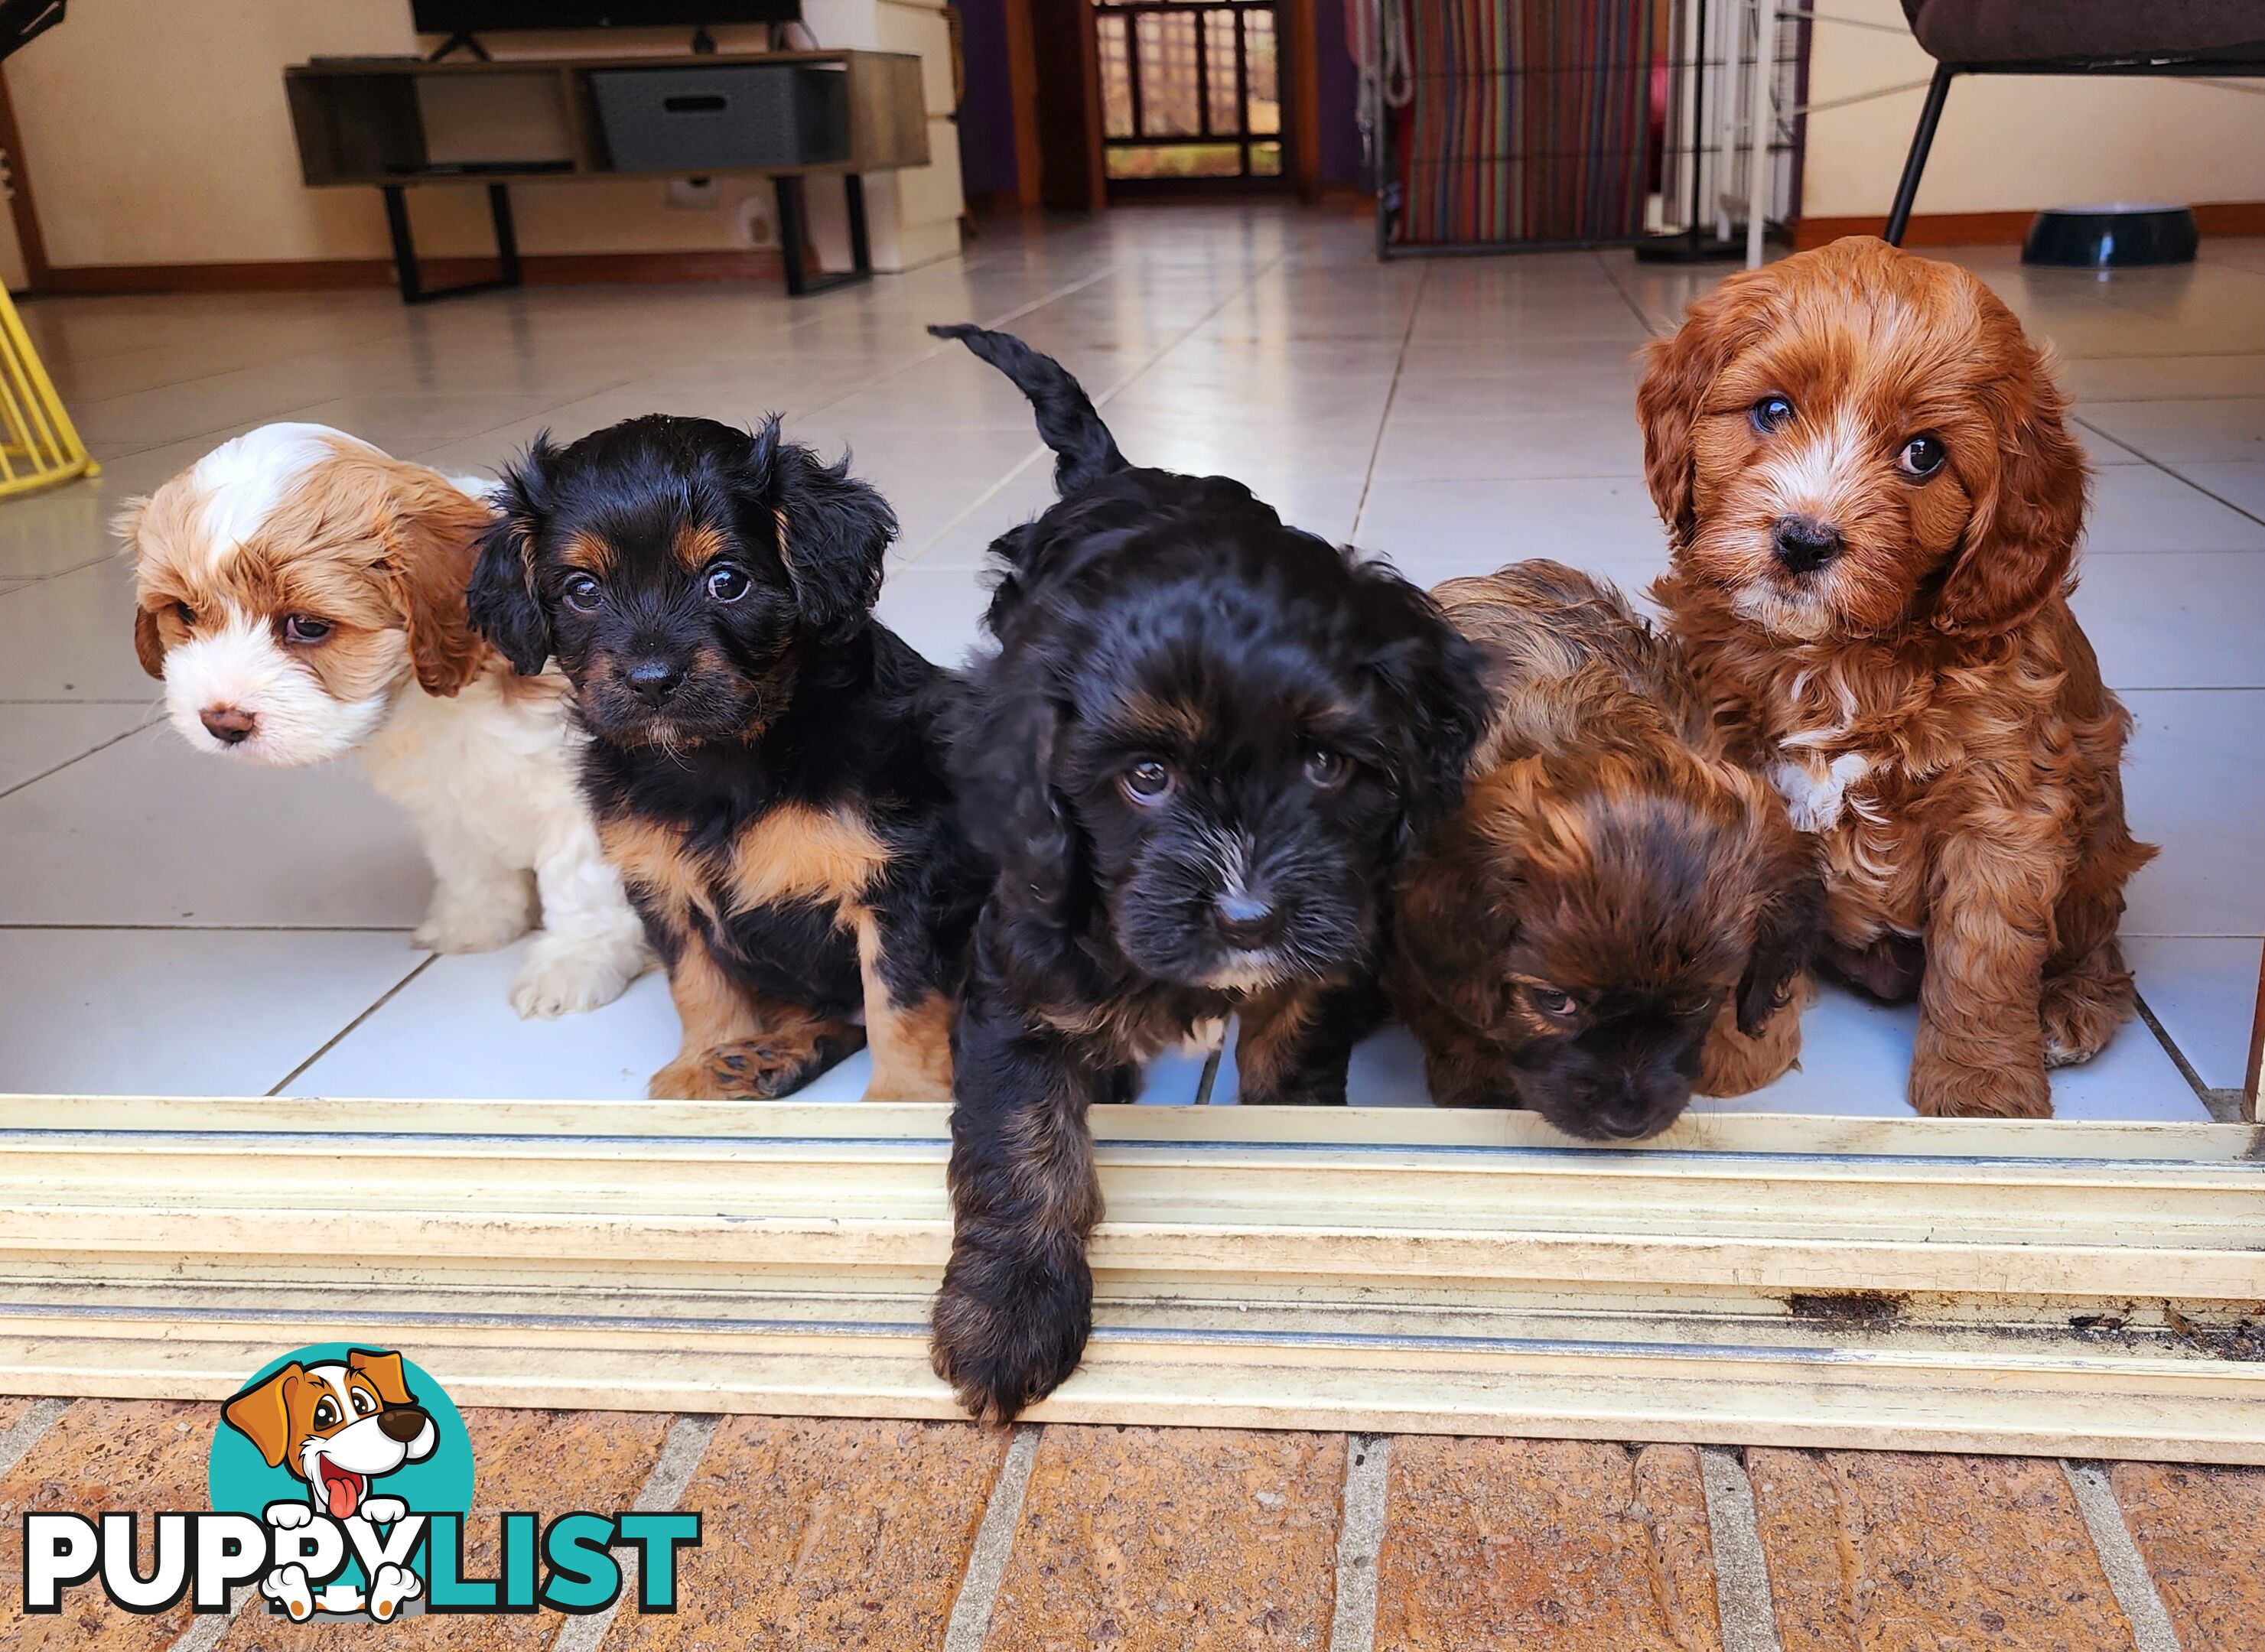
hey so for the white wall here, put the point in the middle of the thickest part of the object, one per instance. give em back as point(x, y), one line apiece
point(2012, 143)
point(156, 131)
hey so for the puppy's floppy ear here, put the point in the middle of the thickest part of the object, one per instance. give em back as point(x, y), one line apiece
point(1787, 931)
point(262, 1413)
point(2027, 515)
point(149, 648)
point(833, 529)
point(1456, 911)
point(1678, 373)
point(430, 542)
point(1433, 695)
point(1004, 735)
point(501, 599)
point(385, 1371)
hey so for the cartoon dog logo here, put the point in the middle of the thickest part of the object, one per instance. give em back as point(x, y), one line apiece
point(338, 1426)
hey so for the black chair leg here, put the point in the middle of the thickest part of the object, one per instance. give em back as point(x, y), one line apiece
point(1915, 163)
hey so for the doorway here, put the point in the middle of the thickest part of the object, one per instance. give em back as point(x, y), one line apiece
point(1192, 94)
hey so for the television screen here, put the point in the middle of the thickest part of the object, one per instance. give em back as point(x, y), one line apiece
point(480, 16)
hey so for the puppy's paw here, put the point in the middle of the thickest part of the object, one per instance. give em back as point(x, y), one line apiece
point(566, 975)
point(392, 1585)
point(2081, 1011)
point(760, 1069)
point(1943, 1089)
point(287, 1587)
point(1014, 1344)
point(383, 1510)
point(478, 921)
point(288, 1515)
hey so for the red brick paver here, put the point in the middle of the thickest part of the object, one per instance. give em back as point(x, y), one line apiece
point(142, 1455)
point(1159, 1540)
point(1589, 1547)
point(824, 1534)
point(2200, 1530)
point(1890, 1552)
point(550, 1462)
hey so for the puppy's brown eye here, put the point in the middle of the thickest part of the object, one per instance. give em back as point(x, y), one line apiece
point(186, 615)
point(327, 1412)
point(1922, 456)
point(304, 629)
point(1147, 781)
point(1325, 768)
point(1550, 1001)
point(726, 583)
point(1771, 413)
point(363, 1403)
point(581, 593)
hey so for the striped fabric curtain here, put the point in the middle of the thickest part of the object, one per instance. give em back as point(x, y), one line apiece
point(1530, 120)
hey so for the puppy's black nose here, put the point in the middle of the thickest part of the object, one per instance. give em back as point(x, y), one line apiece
point(1803, 544)
point(227, 724)
point(653, 680)
point(402, 1423)
point(1246, 919)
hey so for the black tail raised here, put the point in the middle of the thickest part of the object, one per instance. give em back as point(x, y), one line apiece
point(1084, 451)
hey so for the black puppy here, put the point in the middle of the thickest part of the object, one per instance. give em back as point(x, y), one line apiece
point(763, 763)
point(1203, 746)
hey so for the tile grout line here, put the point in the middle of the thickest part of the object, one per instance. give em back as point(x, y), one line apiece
point(2203, 1092)
point(1360, 1536)
point(7, 791)
point(341, 1035)
point(1391, 394)
point(1744, 1605)
point(204, 1633)
point(30, 1429)
point(2150, 460)
point(2120, 1558)
point(681, 1450)
point(994, 1544)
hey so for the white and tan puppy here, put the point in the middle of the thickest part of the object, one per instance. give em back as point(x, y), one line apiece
point(302, 595)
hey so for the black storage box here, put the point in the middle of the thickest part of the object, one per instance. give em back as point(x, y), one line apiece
point(751, 115)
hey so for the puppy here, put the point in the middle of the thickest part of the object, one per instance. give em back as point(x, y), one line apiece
point(1617, 911)
point(301, 594)
point(336, 1426)
point(1874, 503)
point(1199, 754)
point(762, 760)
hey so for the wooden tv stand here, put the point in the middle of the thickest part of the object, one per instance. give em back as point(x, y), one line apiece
point(373, 121)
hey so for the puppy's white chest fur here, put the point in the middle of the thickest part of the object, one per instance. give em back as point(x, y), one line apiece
point(1815, 796)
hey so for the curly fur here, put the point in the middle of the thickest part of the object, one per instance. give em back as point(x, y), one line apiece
point(1309, 715)
point(1923, 697)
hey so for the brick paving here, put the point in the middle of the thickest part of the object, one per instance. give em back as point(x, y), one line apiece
point(823, 1533)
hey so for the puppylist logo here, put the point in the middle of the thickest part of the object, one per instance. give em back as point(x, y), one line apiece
point(341, 1482)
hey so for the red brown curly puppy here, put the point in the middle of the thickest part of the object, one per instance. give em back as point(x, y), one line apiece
point(1874, 503)
point(1619, 913)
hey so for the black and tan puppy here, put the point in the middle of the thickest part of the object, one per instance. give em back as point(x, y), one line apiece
point(1619, 912)
point(762, 760)
point(1199, 754)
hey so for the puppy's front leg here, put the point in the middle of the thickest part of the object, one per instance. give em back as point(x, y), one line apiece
point(1980, 1052)
point(1294, 1045)
point(740, 1045)
point(909, 1027)
point(1011, 1321)
point(592, 945)
point(480, 900)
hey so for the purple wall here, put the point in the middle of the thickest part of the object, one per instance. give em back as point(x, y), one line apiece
point(1340, 94)
point(986, 118)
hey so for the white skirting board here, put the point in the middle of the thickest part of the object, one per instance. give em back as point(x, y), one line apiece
point(2093, 1290)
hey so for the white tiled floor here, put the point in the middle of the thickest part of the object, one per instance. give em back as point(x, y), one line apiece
point(169, 923)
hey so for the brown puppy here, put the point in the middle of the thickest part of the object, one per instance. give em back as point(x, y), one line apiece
point(1874, 503)
point(1619, 911)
